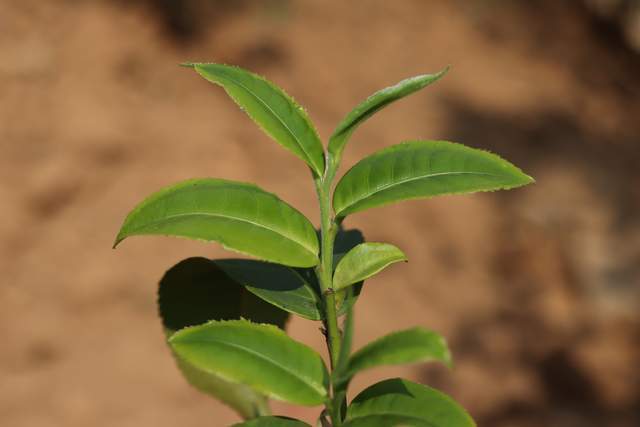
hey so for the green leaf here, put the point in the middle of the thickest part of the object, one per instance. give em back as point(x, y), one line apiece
point(422, 169)
point(260, 356)
point(195, 291)
point(281, 286)
point(401, 398)
point(364, 261)
point(373, 104)
point(272, 422)
point(344, 242)
point(408, 346)
point(271, 108)
point(240, 216)
point(387, 421)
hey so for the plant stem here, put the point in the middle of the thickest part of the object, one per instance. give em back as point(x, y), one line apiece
point(324, 272)
point(328, 230)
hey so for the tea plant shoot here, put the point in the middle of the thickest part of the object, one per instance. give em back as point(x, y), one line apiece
point(225, 319)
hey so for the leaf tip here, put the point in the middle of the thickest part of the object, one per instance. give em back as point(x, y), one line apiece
point(524, 179)
point(530, 179)
point(116, 242)
point(188, 64)
point(447, 357)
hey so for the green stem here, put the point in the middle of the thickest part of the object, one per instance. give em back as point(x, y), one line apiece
point(328, 230)
point(324, 272)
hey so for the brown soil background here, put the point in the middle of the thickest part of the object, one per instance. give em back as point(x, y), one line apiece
point(537, 290)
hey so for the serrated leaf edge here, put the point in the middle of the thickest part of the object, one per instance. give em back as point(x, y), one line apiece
point(318, 169)
point(348, 210)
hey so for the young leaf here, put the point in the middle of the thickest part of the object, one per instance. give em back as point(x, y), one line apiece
point(364, 261)
point(259, 356)
point(281, 286)
point(345, 241)
point(401, 398)
point(272, 109)
point(195, 291)
point(422, 169)
point(242, 217)
point(272, 422)
point(373, 104)
point(408, 346)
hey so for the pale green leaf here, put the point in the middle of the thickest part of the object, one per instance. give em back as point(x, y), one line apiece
point(373, 104)
point(272, 422)
point(402, 398)
point(364, 261)
point(407, 346)
point(271, 108)
point(240, 216)
point(281, 286)
point(195, 291)
point(260, 356)
point(422, 169)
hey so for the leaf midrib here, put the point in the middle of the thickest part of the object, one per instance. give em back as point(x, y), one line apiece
point(295, 137)
point(321, 391)
point(207, 214)
point(406, 180)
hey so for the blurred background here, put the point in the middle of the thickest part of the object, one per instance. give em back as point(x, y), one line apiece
point(537, 290)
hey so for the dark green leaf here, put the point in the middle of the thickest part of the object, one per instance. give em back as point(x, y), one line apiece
point(364, 261)
point(271, 108)
point(272, 422)
point(422, 169)
point(373, 104)
point(260, 356)
point(277, 284)
point(408, 346)
point(347, 240)
point(240, 216)
point(195, 291)
point(401, 398)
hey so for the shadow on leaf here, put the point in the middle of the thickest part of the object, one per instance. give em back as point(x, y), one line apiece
point(197, 290)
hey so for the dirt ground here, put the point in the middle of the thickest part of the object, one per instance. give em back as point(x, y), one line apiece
point(537, 290)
